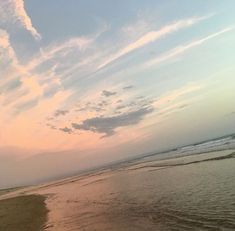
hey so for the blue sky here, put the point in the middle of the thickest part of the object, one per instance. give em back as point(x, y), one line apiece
point(83, 79)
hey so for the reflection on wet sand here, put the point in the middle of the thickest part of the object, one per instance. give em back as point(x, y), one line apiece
point(188, 193)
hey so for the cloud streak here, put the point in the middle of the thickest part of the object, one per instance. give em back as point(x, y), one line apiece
point(183, 48)
point(151, 37)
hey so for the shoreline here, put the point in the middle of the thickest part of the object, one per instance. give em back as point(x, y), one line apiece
point(33, 209)
point(23, 213)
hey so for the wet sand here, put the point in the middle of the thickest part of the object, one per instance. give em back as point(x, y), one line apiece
point(23, 213)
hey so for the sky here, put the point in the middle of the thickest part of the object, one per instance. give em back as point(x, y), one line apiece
point(85, 83)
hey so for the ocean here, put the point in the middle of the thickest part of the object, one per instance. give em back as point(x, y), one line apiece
point(189, 188)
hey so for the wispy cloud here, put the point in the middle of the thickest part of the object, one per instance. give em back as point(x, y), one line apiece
point(183, 48)
point(152, 36)
point(13, 12)
point(38, 79)
point(22, 15)
point(57, 50)
point(21, 89)
point(74, 46)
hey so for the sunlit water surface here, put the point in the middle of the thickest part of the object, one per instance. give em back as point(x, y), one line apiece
point(187, 193)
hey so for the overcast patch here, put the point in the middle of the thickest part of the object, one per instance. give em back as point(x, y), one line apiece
point(108, 125)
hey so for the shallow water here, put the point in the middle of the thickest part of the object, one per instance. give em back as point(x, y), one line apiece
point(188, 193)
